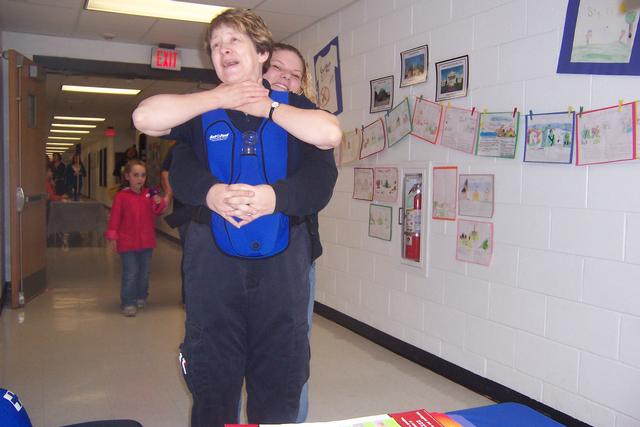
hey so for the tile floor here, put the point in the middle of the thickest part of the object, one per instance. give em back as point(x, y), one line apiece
point(71, 357)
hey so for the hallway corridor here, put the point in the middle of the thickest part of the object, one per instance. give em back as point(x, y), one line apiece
point(71, 357)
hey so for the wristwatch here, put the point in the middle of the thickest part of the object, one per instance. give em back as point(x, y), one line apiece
point(274, 105)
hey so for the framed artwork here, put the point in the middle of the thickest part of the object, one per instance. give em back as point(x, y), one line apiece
point(452, 78)
point(326, 64)
point(363, 183)
point(549, 137)
point(606, 135)
point(373, 138)
point(600, 39)
point(425, 123)
point(445, 188)
point(460, 129)
point(381, 94)
point(498, 135)
point(398, 122)
point(380, 221)
point(474, 242)
point(475, 195)
point(350, 147)
point(385, 185)
point(414, 64)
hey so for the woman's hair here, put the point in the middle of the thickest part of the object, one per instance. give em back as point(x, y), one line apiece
point(245, 21)
point(56, 156)
point(306, 84)
point(76, 156)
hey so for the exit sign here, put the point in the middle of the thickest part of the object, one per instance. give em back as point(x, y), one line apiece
point(165, 59)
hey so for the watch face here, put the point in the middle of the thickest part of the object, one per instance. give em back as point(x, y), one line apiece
point(275, 104)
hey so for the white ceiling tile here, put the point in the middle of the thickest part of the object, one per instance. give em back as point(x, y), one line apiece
point(37, 19)
point(286, 22)
point(311, 8)
point(182, 34)
point(94, 24)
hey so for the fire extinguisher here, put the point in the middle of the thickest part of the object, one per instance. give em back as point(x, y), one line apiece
point(413, 225)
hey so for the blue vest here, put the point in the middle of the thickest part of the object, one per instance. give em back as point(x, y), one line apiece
point(12, 413)
point(265, 236)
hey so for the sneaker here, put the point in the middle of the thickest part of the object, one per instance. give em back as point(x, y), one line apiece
point(129, 311)
point(140, 303)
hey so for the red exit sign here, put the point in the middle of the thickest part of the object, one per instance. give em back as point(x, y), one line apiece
point(165, 59)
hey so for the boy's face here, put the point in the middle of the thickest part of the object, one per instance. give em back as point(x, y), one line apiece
point(136, 177)
point(234, 56)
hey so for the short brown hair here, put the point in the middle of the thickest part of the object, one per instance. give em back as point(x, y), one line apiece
point(246, 21)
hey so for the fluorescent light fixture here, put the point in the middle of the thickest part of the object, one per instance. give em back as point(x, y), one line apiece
point(167, 9)
point(60, 144)
point(71, 138)
point(82, 119)
point(72, 125)
point(68, 131)
point(103, 90)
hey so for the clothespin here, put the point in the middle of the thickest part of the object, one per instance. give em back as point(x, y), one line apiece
point(515, 110)
point(356, 131)
point(530, 114)
point(620, 102)
point(485, 111)
point(362, 128)
point(473, 110)
point(420, 98)
point(580, 113)
point(570, 110)
point(448, 104)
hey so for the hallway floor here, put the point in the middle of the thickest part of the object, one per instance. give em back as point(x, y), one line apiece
point(71, 357)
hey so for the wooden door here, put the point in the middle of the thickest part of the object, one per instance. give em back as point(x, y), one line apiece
point(26, 164)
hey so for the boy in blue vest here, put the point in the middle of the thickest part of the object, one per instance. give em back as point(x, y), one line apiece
point(269, 167)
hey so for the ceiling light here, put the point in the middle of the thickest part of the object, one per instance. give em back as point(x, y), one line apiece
point(68, 131)
point(60, 144)
point(72, 138)
point(167, 9)
point(71, 125)
point(103, 90)
point(82, 119)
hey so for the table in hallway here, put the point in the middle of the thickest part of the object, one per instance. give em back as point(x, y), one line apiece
point(77, 217)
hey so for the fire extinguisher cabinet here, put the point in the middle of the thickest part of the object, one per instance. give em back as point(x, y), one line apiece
point(412, 212)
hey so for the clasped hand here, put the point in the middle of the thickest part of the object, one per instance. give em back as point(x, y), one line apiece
point(241, 203)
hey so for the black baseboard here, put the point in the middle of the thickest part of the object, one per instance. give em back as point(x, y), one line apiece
point(491, 389)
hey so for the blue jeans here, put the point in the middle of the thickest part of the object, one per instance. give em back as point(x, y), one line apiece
point(304, 395)
point(135, 276)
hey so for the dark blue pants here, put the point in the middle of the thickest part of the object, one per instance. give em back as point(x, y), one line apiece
point(136, 266)
point(246, 320)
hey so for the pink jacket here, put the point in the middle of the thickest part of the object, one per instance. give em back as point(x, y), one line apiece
point(132, 221)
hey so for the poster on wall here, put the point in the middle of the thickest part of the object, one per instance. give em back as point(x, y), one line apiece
point(363, 183)
point(381, 94)
point(414, 66)
point(460, 129)
point(600, 37)
point(452, 78)
point(398, 122)
point(549, 137)
point(380, 221)
point(350, 147)
point(498, 135)
point(427, 116)
point(606, 135)
point(326, 64)
point(385, 184)
point(373, 139)
point(474, 242)
point(475, 195)
point(445, 186)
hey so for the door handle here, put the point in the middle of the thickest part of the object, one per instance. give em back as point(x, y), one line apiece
point(20, 199)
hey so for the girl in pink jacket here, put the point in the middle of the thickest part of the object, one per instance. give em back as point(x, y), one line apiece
point(131, 232)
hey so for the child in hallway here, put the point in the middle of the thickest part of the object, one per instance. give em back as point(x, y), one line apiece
point(131, 232)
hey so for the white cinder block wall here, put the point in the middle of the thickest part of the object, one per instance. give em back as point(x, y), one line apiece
point(557, 314)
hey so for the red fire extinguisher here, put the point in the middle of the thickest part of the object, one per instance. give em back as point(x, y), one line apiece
point(413, 225)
